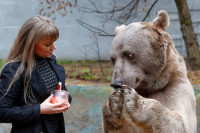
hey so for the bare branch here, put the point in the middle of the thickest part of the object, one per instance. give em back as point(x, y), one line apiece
point(117, 14)
point(94, 29)
point(125, 16)
point(90, 10)
point(60, 6)
point(150, 10)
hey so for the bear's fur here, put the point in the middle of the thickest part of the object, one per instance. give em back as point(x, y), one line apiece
point(161, 98)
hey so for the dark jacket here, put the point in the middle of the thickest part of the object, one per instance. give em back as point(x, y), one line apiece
point(26, 118)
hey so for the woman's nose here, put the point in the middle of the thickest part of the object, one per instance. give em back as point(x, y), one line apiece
point(53, 46)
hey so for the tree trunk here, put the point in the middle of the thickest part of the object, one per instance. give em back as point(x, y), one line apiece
point(189, 35)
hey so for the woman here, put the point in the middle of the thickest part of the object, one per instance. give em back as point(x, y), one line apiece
point(27, 78)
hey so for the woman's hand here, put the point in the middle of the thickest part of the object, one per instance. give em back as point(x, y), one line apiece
point(48, 108)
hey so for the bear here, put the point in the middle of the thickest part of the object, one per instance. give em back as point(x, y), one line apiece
point(152, 93)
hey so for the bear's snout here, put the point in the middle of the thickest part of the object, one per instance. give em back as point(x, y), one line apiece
point(116, 84)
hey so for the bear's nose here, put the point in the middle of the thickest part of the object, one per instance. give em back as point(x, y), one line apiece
point(116, 84)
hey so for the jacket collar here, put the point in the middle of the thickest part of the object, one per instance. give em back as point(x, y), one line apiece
point(36, 81)
point(56, 67)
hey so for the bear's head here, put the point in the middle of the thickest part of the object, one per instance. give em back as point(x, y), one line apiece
point(140, 52)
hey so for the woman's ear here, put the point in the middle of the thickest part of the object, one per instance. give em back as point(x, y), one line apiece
point(119, 29)
point(162, 20)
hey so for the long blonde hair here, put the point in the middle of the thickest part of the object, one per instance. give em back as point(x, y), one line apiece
point(23, 48)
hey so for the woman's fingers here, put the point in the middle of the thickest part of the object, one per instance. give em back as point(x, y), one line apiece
point(68, 105)
point(61, 109)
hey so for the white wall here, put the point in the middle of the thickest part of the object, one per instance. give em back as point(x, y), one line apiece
point(75, 42)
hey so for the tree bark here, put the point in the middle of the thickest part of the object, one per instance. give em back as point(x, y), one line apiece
point(189, 35)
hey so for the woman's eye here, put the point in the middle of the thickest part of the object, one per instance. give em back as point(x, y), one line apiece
point(48, 45)
point(129, 56)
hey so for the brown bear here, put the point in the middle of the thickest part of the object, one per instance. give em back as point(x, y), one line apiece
point(152, 92)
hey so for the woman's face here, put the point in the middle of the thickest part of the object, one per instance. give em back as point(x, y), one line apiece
point(44, 48)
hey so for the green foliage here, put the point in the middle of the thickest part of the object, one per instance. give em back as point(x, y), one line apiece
point(58, 61)
point(74, 74)
point(1, 62)
point(86, 71)
point(86, 74)
point(108, 78)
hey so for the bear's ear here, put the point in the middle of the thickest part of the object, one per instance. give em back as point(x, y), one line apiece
point(162, 20)
point(119, 29)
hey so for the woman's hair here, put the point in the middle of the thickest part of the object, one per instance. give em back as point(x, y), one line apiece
point(30, 33)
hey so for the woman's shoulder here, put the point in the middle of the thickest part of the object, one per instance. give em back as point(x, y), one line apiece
point(12, 66)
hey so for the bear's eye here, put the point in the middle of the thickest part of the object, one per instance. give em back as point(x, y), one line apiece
point(129, 56)
point(112, 60)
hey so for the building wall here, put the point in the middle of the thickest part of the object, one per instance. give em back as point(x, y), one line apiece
point(76, 42)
